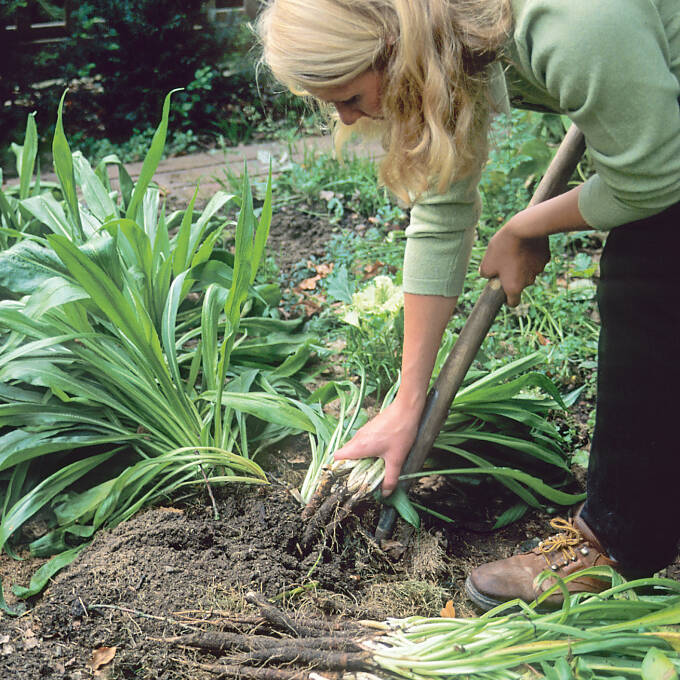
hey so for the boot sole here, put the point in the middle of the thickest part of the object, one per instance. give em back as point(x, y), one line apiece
point(482, 601)
point(486, 603)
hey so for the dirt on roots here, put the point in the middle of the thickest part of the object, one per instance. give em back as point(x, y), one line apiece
point(170, 570)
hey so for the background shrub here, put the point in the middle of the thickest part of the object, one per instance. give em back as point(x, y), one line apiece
point(22, 70)
point(136, 51)
point(119, 60)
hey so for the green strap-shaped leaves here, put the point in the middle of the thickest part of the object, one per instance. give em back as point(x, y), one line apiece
point(268, 407)
point(151, 161)
point(534, 483)
point(132, 321)
point(32, 502)
point(95, 193)
point(262, 233)
point(63, 165)
point(29, 152)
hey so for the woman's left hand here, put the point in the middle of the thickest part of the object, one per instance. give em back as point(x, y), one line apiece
point(515, 260)
point(519, 250)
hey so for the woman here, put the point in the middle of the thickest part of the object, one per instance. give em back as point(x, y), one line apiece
point(427, 75)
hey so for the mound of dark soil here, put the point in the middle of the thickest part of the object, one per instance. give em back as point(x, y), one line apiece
point(132, 583)
point(170, 570)
point(173, 570)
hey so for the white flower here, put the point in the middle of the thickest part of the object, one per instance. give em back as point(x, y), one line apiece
point(379, 297)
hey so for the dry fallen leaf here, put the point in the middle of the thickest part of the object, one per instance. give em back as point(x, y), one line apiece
point(311, 307)
point(449, 611)
point(324, 269)
point(100, 657)
point(373, 269)
point(395, 549)
point(31, 643)
point(308, 284)
point(542, 340)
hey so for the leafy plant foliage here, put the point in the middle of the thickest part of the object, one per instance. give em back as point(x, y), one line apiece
point(131, 350)
point(614, 634)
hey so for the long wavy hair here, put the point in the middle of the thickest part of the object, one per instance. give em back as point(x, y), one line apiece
point(433, 55)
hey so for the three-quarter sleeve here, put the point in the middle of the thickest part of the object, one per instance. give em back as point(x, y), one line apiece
point(609, 66)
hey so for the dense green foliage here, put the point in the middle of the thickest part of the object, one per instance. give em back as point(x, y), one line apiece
point(137, 356)
point(120, 59)
point(131, 47)
point(126, 314)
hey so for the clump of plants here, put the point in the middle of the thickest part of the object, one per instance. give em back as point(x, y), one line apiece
point(613, 634)
point(374, 332)
point(105, 41)
point(325, 185)
point(499, 427)
point(136, 355)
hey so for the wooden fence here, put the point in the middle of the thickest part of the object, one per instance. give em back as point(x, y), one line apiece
point(35, 28)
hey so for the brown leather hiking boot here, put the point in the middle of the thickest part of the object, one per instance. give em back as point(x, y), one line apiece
point(575, 547)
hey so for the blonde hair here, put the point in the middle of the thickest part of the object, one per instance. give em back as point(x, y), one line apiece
point(434, 56)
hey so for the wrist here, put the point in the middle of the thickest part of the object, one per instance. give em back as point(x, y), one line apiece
point(556, 215)
point(522, 226)
point(410, 399)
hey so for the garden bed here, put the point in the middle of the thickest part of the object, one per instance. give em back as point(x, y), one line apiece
point(172, 570)
point(208, 361)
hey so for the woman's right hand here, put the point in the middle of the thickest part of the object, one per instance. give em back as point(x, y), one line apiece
point(389, 436)
point(392, 432)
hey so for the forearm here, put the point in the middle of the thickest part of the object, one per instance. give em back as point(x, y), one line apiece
point(519, 250)
point(554, 216)
point(425, 318)
point(391, 433)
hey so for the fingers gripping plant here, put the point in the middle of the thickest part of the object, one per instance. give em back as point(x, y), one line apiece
point(108, 368)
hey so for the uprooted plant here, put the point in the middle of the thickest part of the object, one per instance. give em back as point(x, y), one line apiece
point(616, 633)
point(498, 424)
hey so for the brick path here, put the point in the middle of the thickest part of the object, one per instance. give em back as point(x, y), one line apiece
point(178, 176)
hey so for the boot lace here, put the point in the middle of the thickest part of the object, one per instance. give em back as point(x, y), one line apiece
point(565, 541)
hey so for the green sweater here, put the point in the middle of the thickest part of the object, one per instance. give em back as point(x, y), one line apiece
point(612, 66)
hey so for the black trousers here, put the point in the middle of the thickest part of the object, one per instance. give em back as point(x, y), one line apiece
point(633, 500)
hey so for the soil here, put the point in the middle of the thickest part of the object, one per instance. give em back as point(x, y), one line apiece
point(172, 570)
point(296, 237)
